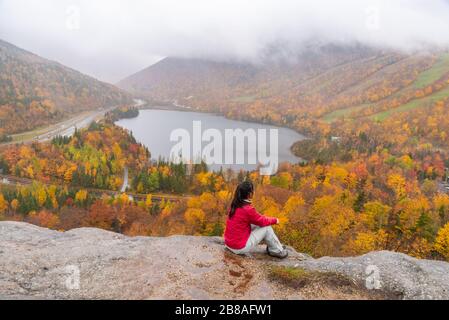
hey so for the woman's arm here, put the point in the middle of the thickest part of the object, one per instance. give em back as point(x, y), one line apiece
point(260, 220)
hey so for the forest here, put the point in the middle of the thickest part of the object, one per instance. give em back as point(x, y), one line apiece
point(368, 196)
point(377, 158)
point(35, 92)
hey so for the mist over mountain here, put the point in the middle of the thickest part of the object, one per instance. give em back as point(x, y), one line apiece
point(318, 75)
point(111, 39)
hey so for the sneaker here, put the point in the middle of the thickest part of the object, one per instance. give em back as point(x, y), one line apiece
point(281, 255)
point(268, 250)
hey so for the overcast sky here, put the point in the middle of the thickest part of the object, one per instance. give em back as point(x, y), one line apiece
point(111, 39)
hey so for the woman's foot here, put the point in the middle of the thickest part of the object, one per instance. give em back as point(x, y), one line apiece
point(281, 255)
point(268, 249)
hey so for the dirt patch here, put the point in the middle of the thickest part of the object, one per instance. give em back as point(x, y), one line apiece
point(235, 273)
point(244, 284)
point(325, 285)
point(241, 274)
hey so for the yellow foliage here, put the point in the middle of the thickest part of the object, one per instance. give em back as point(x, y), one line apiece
point(30, 172)
point(204, 178)
point(412, 209)
point(398, 184)
point(441, 201)
point(15, 204)
point(140, 187)
point(270, 208)
point(81, 196)
point(195, 217)
point(3, 204)
point(369, 241)
point(407, 162)
point(167, 209)
point(68, 174)
point(41, 196)
point(293, 203)
point(123, 199)
point(442, 242)
point(338, 173)
point(224, 195)
point(332, 216)
point(194, 202)
point(420, 248)
point(266, 180)
point(375, 215)
point(149, 201)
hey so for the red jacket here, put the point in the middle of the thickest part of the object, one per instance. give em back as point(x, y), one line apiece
point(238, 228)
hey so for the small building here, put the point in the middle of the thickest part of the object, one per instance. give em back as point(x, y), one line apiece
point(335, 139)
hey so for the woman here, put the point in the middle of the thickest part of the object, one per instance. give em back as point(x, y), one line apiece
point(245, 228)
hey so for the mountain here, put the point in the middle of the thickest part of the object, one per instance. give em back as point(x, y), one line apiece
point(325, 82)
point(178, 78)
point(181, 78)
point(35, 91)
point(113, 266)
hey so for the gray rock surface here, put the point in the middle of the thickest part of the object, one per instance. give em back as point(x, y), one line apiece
point(37, 263)
point(404, 276)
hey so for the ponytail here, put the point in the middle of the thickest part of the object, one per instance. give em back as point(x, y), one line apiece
point(242, 193)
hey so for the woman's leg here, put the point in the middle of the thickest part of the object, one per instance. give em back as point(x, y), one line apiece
point(258, 235)
point(264, 234)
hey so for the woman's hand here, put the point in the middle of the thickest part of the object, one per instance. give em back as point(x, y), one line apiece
point(278, 221)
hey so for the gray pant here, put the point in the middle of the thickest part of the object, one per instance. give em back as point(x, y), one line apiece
point(258, 235)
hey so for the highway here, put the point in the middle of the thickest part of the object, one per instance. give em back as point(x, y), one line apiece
point(63, 128)
point(66, 127)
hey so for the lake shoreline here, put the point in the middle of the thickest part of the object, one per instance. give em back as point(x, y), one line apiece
point(190, 109)
point(148, 125)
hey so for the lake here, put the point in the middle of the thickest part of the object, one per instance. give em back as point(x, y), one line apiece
point(154, 128)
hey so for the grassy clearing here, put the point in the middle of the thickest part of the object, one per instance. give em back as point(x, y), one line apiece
point(245, 99)
point(427, 77)
point(340, 113)
point(431, 75)
point(424, 79)
point(417, 103)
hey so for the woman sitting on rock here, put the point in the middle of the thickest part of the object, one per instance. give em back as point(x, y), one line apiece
point(246, 228)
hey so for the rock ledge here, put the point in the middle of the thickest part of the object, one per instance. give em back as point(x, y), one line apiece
point(37, 263)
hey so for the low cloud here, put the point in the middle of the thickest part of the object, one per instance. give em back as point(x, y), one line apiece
point(111, 39)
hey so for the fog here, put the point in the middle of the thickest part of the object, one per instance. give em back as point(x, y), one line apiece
point(111, 39)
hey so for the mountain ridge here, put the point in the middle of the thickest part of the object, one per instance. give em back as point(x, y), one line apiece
point(35, 91)
point(316, 82)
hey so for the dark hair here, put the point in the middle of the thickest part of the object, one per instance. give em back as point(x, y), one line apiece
point(242, 193)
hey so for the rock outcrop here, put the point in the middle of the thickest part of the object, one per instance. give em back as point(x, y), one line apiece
point(37, 263)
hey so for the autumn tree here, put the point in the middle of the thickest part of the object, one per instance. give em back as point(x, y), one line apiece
point(442, 242)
